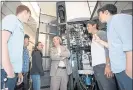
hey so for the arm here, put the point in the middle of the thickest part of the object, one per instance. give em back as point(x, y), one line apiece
point(102, 42)
point(5, 55)
point(8, 27)
point(129, 63)
point(54, 56)
point(65, 53)
point(26, 60)
point(107, 57)
point(38, 60)
point(105, 44)
point(108, 72)
point(124, 32)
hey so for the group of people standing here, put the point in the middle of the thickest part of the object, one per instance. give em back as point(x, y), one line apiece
point(111, 53)
point(15, 56)
point(112, 50)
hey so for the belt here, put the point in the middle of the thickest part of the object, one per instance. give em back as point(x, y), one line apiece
point(62, 67)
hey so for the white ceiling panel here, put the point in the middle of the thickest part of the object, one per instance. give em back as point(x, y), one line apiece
point(121, 5)
point(73, 11)
point(106, 2)
point(92, 4)
point(5, 10)
point(29, 31)
point(36, 8)
point(46, 19)
point(91, 9)
point(3, 15)
point(48, 8)
point(129, 6)
point(12, 6)
point(95, 14)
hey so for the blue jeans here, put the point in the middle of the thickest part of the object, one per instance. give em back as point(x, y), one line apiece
point(36, 82)
point(124, 82)
point(10, 83)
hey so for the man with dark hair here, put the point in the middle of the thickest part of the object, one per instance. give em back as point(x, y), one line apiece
point(100, 59)
point(12, 33)
point(119, 32)
point(26, 61)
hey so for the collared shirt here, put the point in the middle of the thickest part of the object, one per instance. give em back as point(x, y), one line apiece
point(119, 33)
point(26, 60)
point(16, 41)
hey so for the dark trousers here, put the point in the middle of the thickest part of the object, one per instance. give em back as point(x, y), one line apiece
point(24, 85)
point(10, 83)
point(25, 82)
point(124, 82)
point(103, 82)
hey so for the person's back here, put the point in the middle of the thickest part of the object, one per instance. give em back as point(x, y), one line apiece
point(12, 46)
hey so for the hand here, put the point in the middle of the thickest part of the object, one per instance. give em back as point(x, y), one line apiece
point(11, 74)
point(108, 72)
point(96, 38)
point(63, 58)
point(129, 74)
point(20, 78)
point(59, 54)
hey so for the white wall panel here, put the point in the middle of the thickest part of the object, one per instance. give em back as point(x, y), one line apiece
point(42, 28)
point(77, 10)
point(48, 8)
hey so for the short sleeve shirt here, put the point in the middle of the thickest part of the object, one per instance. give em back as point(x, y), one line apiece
point(119, 33)
point(16, 41)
